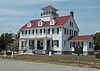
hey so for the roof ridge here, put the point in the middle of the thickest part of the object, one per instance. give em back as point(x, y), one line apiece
point(55, 18)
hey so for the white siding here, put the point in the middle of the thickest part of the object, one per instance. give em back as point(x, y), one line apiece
point(66, 36)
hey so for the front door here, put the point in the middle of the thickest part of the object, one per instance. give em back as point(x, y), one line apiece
point(40, 44)
point(48, 44)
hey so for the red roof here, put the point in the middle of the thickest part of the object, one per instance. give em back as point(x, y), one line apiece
point(49, 7)
point(83, 37)
point(60, 21)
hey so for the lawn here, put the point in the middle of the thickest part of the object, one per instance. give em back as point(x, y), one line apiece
point(89, 60)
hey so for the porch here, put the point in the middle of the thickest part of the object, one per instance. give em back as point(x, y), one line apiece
point(36, 45)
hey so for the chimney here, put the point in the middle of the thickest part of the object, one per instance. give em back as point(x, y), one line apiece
point(72, 13)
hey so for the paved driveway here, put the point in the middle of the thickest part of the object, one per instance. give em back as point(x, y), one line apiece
point(8, 65)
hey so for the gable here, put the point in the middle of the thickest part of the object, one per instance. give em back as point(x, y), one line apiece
point(29, 24)
point(75, 23)
point(40, 23)
point(52, 22)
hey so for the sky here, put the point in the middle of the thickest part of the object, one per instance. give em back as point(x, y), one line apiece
point(15, 13)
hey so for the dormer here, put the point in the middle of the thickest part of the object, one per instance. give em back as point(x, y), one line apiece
point(40, 23)
point(29, 24)
point(52, 22)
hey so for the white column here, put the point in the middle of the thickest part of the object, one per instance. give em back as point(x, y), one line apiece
point(45, 42)
point(35, 44)
point(27, 44)
point(51, 44)
point(20, 43)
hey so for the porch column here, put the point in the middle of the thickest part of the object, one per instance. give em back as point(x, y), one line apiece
point(35, 44)
point(45, 45)
point(51, 45)
point(20, 43)
point(27, 44)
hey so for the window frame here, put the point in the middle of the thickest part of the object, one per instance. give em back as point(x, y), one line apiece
point(57, 30)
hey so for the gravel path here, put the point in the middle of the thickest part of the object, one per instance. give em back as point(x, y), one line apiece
point(8, 65)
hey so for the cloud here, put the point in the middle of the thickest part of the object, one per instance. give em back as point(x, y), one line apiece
point(6, 11)
point(25, 2)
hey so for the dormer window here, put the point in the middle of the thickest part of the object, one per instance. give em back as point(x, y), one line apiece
point(40, 23)
point(29, 24)
point(52, 22)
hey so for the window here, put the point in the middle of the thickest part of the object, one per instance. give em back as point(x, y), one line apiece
point(40, 23)
point(23, 44)
point(52, 30)
point(52, 43)
point(57, 30)
point(70, 32)
point(52, 22)
point(33, 31)
point(64, 42)
point(36, 31)
point(67, 32)
point(25, 31)
point(76, 44)
point(79, 44)
point(22, 32)
point(82, 44)
point(64, 30)
point(90, 44)
point(74, 33)
point(29, 24)
point(49, 31)
point(29, 32)
point(44, 31)
point(40, 31)
point(70, 44)
point(71, 23)
point(73, 44)
point(56, 43)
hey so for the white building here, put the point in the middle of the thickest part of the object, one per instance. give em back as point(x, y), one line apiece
point(49, 33)
point(84, 41)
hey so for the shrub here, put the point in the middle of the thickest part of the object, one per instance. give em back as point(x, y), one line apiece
point(97, 55)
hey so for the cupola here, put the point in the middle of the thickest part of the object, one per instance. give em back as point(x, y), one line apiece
point(48, 13)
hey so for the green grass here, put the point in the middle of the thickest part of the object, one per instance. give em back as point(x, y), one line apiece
point(89, 60)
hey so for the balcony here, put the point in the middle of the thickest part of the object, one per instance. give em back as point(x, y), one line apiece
point(36, 36)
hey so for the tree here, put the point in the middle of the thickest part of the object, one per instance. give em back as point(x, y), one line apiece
point(5, 39)
point(11, 46)
point(97, 41)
